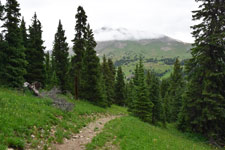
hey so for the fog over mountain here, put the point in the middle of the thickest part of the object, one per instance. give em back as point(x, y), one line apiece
point(111, 34)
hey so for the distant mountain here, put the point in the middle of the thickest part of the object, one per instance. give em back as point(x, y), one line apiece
point(109, 34)
point(125, 47)
point(158, 53)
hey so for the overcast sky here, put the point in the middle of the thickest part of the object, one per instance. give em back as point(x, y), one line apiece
point(169, 17)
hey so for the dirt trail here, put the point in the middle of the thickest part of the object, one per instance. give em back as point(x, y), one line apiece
point(78, 141)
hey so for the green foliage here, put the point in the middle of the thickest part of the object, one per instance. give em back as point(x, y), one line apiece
point(91, 82)
point(120, 88)
point(23, 31)
point(79, 47)
point(60, 55)
point(48, 69)
point(35, 53)
point(142, 105)
point(129, 133)
point(3, 147)
point(13, 68)
point(109, 71)
point(154, 96)
point(173, 99)
point(16, 143)
point(204, 100)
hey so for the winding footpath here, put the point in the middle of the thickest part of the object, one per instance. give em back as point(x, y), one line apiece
point(78, 141)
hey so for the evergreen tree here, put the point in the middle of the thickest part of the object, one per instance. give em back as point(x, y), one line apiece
point(164, 99)
point(120, 88)
point(3, 45)
point(14, 66)
point(112, 75)
point(79, 48)
point(35, 53)
point(131, 96)
point(136, 76)
point(48, 70)
point(23, 30)
point(154, 97)
point(175, 91)
point(204, 100)
point(108, 77)
point(164, 86)
point(60, 54)
point(103, 101)
point(91, 73)
point(143, 106)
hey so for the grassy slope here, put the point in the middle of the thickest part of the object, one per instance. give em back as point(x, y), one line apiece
point(129, 133)
point(132, 50)
point(27, 121)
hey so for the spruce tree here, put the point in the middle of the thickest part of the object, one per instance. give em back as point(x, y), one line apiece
point(164, 86)
point(143, 106)
point(154, 97)
point(108, 76)
point(131, 97)
point(3, 45)
point(112, 78)
point(15, 65)
point(60, 54)
point(91, 85)
point(175, 91)
point(204, 100)
point(35, 53)
point(48, 70)
point(23, 30)
point(79, 47)
point(120, 88)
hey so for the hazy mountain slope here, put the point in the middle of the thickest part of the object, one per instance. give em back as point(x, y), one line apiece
point(158, 53)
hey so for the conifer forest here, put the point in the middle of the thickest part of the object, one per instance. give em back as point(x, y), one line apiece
point(189, 102)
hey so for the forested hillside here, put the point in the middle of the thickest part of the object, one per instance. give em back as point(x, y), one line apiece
point(158, 54)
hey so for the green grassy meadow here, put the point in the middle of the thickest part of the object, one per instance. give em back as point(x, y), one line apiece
point(129, 133)
point(28, 122)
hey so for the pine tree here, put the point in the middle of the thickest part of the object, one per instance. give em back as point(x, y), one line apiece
point(108, 78)
point(60, 54)
point(79, 48)
point(103, 101)
point(154, 97)
point(14, 66)
point(143, 106)
point(175, 91)
point(3, 45)
point(23, 30)
point(164, 86)
point(91, 72)
point(120, 88)
point(48, 70)
point(112, 78)
point(35, 53)
point(204, 100)
point(131, 97)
